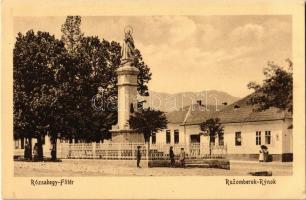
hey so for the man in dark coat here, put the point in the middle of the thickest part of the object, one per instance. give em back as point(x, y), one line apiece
point(172, 159)
point(53, 153)
point(35, 152)
point(27, 151)
point(138, 154)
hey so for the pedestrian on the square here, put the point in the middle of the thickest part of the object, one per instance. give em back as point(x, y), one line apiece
point(35, 152)
point(53, 153)
point(138, 154)
point(172, 157)
point(261, 155)
point(182, 157)
point(27, 150)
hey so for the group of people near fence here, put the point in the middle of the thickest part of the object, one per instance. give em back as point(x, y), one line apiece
point(34, 156)
point(28, 155)
point(182, 157)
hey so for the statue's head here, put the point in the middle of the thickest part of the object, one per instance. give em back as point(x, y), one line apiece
point(128, 30)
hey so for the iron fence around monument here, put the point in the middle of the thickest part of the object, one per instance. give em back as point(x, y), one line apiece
point(128, 151)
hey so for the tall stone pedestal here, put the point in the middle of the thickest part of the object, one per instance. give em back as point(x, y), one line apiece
point(127, 103)
point(126, 136)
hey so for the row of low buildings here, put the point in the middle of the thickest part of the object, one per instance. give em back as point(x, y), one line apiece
point(244, 130)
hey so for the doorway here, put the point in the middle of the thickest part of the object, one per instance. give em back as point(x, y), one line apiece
point(195, 145)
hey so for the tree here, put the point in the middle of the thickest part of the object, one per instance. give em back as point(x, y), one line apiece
point(144, 75)
point(35, 58)
point(148, 121)
point(97, 61)
point(214, 128)
point(71, 34)
point(276, 89)
point(95, 67)
point(74, 41)
point(55, 82)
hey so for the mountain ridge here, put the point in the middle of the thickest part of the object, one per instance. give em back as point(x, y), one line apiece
point(171, 102)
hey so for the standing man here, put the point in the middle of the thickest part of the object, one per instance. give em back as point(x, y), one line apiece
point(182, 158)
point(138, 154)
point(53, 153)
point(171, 154)
point(27, 150)
point(35, 152)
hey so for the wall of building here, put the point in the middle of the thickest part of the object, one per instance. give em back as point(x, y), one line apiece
point(248, 134)
point(281, 137)
point(161, 136)
point(195, 130)
point(184, 135)
point(287, 136)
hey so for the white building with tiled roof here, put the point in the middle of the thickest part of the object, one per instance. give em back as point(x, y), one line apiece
point(245, 130)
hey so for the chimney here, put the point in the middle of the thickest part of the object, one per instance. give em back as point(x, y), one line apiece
point(199, 102)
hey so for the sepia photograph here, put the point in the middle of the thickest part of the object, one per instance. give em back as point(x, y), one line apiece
point(153, 96)
point(153, 100)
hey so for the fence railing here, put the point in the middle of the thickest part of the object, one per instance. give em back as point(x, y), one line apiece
point(128, 151)
point(192, 151)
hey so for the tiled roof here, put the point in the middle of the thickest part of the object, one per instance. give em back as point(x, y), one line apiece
point(195, 114)
point(199, 114)
point(176, 117)
point(239, 111)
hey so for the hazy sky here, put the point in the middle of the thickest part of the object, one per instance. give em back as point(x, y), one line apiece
point(192, 53)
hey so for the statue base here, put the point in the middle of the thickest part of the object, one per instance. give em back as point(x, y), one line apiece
point(126, 136)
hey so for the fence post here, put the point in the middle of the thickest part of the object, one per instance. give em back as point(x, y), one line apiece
point(106, 152)
point(120, 149)
point(147, 147)
point(69, 150)
point(94, 150)
point(133, 153)
point(58, 149)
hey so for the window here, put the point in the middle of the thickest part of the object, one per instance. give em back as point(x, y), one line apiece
point(221, 139)
point(268, 137)
point(153, 138)
point(195, 138)
point(168, 137)
point(258, 137)
point(176, 136)
point(238, 138)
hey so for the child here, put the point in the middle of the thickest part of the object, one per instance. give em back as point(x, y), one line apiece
point(182, 157)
